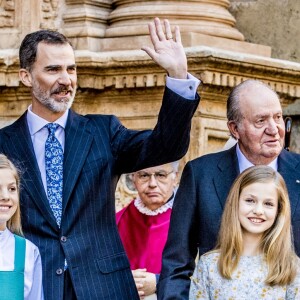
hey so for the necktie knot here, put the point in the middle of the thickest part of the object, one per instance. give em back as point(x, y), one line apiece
point(52, 127)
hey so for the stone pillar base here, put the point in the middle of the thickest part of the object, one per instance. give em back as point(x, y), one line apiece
point(188, 40)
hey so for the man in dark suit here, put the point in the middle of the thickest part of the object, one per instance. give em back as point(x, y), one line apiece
point(255, 120)
point(71, 164)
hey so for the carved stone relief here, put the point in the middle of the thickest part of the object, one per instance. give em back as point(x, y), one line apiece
point(49, 14)
point(7, 13)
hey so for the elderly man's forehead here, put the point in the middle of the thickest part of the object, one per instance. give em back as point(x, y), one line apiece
point(255, 87)
point(165, 167)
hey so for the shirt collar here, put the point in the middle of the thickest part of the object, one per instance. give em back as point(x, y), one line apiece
point(4, 235)
point(141, 207)
point(244, 163)
point(36, 123)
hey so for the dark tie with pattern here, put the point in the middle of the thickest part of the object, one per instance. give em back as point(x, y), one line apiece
point(54, 158)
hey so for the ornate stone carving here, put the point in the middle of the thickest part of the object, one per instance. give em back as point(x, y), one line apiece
point(49, 10)
point(7, 13)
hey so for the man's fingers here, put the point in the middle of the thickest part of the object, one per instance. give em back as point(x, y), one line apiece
point(159, 30)
point(153, 35)
point(177, 34)
point(139, 273)
point(150, 52)
point(168, 30)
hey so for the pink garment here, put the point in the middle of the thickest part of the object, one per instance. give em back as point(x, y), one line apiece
point(143, 237)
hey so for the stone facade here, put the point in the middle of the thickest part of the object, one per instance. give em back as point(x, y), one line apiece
point(115, 77)
point(273, 23)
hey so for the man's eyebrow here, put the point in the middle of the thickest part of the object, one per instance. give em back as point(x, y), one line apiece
point(50, 67)
point(268, 114)
point(262, 115)
point(72, 66)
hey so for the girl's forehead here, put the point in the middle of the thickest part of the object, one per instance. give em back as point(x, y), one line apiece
point(6, 173)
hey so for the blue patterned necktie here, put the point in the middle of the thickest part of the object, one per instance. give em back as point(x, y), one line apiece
point(54, 158)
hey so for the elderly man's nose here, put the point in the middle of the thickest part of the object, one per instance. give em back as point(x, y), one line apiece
point(152, 180)
point(272, 127)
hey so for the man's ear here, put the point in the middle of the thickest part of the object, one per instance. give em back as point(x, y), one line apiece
point(233, 128)
point(25, 77)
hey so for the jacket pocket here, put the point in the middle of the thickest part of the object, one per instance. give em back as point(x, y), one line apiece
point(113, 263)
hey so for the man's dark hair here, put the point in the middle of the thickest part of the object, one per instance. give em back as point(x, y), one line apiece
point(29, 45)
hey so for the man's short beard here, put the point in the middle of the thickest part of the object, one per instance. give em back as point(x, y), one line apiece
point(50, 103)
point(56, 106)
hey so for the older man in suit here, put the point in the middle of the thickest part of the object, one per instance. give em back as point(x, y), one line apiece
point(72, 163)
point(255, 120)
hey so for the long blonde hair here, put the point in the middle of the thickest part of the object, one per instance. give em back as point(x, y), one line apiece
point(276, 243)
point(14, 223)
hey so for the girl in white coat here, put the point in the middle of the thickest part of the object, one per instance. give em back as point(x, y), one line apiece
point(20, 261)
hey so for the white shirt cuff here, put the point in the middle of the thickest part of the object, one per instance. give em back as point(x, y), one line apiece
point(185, 88)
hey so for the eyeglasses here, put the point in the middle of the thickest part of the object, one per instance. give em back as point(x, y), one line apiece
point(160, 176)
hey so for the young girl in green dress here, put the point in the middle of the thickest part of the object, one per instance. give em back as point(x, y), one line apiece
point(20, 261)
point(254, 257)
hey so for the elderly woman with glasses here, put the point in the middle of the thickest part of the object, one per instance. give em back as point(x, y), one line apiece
point(143, 225)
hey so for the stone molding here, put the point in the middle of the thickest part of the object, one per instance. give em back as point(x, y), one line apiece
point(134, 69)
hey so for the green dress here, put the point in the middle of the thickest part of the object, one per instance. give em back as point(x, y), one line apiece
point(12, 282)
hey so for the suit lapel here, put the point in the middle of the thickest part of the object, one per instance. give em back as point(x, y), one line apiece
point(78, 139)
point(288, 166)
point(20, 146)
point(228, 170)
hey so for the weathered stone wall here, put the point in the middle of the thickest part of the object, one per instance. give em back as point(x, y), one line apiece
point(275, 23)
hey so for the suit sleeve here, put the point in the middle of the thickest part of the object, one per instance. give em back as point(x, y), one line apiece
point(168, 141)
point(181, 247)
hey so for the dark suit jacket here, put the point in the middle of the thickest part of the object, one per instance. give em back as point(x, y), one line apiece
point(97, 150)
point(197, 212)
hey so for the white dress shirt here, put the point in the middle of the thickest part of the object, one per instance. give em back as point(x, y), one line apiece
point(244, 163)
point(33, 289)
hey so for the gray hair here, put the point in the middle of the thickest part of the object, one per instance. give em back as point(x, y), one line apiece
point(233, 102)
point(175, 165)
point(233, 108)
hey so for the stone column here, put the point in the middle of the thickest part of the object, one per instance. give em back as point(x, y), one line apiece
point(130, 17)
point(202, 22)
point(85, 22)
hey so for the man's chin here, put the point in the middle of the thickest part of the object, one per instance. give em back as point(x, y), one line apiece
point(273, 152)
point(61, 105)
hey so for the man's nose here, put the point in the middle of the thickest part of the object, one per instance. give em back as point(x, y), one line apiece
point(64, 78)
point(272, 128)
point(152, 180)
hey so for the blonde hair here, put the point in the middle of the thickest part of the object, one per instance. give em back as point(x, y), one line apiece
point(276, 243)
point(14, 223)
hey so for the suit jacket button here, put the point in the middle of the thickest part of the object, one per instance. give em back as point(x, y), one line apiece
point(63, 239)
point(59, 271)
